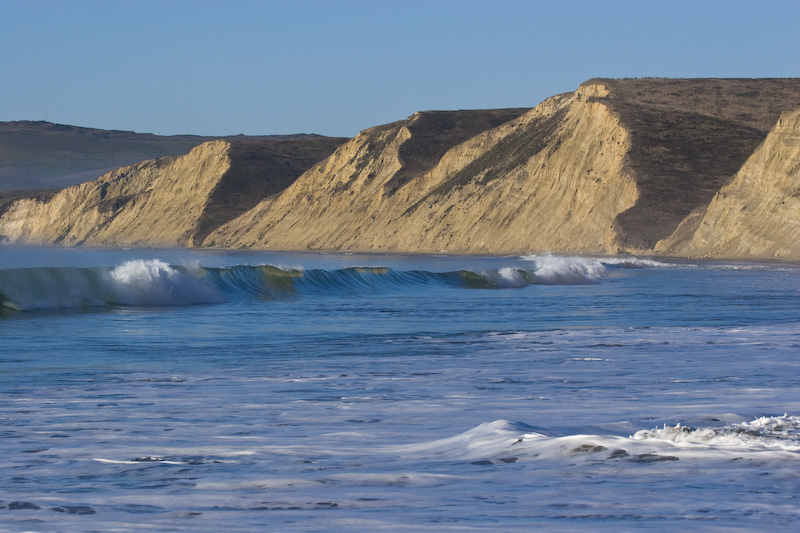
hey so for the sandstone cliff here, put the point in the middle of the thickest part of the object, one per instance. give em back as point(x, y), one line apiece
point(688, 138)
point(613, 167)
point(757, 214)
point(618, 166)
point(550, 178)
point(163, 202)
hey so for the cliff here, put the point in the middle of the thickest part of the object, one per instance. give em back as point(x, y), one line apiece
point(618, 166)
point(757, 214)
point(550, 178)
point(614, 167)
point(689, 137)
point(169, 201)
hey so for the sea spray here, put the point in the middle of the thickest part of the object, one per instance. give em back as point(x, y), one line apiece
point(781, 432)
point(154, 282)
point(552, 270)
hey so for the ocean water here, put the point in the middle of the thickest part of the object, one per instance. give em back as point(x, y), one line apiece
point(235, 391)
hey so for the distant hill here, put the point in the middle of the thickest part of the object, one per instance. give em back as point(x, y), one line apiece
point(688, 167)
point(42, 155)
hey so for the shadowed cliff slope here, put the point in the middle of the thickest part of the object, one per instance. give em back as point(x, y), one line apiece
point(757, 214)
point(688, 138)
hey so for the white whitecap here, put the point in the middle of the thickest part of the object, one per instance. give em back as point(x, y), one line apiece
point(557, 270)
point(154, 282)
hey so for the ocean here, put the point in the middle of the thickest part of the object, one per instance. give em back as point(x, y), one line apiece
point(176, 390)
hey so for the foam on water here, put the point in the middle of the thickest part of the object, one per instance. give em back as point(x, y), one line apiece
point(778, 432)
point(501, 440)
point(554, 270)
point(505, 278)
point(156, 283)
point(367, 393)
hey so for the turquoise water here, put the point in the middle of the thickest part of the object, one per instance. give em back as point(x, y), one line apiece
point(237, 391)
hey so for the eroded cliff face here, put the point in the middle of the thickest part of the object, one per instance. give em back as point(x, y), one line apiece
point(688, 138)
point(618, 166)
point(757, 214)
point(551, 179)
point(173, 201)
point(153, 203)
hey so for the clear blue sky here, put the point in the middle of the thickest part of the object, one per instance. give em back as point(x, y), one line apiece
point(337, 67)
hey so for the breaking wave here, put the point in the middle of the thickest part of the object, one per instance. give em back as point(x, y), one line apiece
point(156, 283)
point(774, 431)
point(134, 283)
point(505, 441)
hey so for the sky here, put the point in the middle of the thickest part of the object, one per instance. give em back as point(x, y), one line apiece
point(336, 67)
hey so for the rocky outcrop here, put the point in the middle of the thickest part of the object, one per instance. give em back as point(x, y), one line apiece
point(757, 214)
point(166, 201)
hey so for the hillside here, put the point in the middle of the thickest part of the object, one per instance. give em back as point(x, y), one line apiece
point(613, 167)
point(757, 214)
point(170, 201)
point(538, 180)
point(42, 155)
point(618, 166)
point(689, 137)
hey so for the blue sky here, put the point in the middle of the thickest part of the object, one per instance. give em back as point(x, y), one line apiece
point(337, 67)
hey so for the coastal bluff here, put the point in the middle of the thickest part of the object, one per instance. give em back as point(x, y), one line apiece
point(675, 167)
point(757, 214)
point(166, 202)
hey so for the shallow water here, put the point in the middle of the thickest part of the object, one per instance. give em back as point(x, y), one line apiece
point(237, 391)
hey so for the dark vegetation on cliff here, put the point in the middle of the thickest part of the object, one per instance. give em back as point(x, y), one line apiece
point(433, 133)
point(260, 169)
point(689, 137)
point(7, 198)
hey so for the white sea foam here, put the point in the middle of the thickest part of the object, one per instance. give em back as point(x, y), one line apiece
point(635, 262)
point(780, 432)
point(154, 282)
point(554, 270)
point(504, 441)
point(505, 278)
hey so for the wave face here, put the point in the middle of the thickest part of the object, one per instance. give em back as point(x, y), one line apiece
point(156, 283)
point(133, 283)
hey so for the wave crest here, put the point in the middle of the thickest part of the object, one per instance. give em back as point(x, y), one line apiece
point(156, 283)
point(555, 270)
point(778, 431)
point(137, 283)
